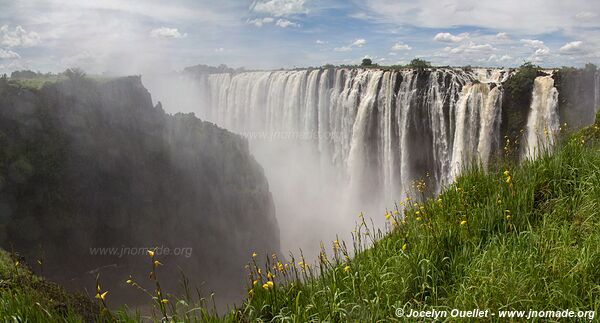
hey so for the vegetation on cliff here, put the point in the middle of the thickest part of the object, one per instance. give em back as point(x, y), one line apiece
point(25, 297)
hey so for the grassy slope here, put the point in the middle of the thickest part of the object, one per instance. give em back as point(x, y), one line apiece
point(530, 243)
point(25, 297)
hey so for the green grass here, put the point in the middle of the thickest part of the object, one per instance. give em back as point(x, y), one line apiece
point(25, 297)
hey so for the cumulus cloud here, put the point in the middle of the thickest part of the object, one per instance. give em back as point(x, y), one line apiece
point(284, 23)
point(449, 38)
point(356, 44)
point(541, 50)
point(499, 59)
point(514, 16)
point(533, 43)
point(400, 46)
point(280, 8)
point(166, 32)
point(320, 42)
point(586, 15)
point(259, 22)
point(572, 47)
point(8, 54)
point(18, 37)
point(502, 35)
point(470, 47)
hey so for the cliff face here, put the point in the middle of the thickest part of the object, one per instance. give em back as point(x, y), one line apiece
point(87, 165)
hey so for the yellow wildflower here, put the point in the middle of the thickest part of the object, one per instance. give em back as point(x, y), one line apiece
point(151, 253)
point(157, 263)
point(346, 269)
point(164, 301)
point(404, 247)
point(508, 179)
point(254, 255)
point(418, 212)
point(102, 296)
point(418, 218)
point(463, 222)
point(251, 292)
point(268, 285)
point(129, 281)
point(388, 216)
point(254, 283)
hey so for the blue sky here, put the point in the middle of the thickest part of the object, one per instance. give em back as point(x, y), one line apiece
point(137, 36)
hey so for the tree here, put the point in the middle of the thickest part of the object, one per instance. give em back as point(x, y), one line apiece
point(75, 74)
point(419, 63)
point(366, 62)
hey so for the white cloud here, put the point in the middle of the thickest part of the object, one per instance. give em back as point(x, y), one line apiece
point(259, 22)
point(166, 32)
point(400, 46)
point(534, 43)
point(359, 42)
point(513, 16)
point(8, 54)
point(18, 37)
point(541, 50)
point(279, 8)
point(496, 58)
point(586, 15)
point(470, 47)
point(320, 42)
point(502, 35)
point(572, 47)
point(356, 44)
point(449, 38)
point(284, 23)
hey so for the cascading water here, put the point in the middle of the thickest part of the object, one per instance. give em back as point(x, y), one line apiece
point(543, 122)
point(335, 142)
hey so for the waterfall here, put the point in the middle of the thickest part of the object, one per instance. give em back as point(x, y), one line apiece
point(346, 140)
point(478, 122)
point(543, 122)
point(378, 130)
